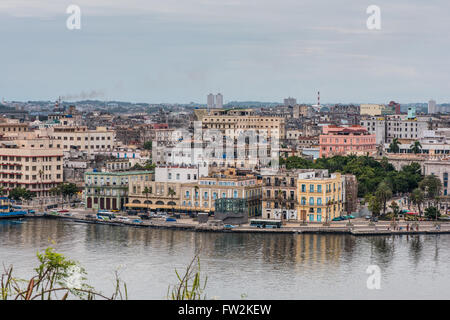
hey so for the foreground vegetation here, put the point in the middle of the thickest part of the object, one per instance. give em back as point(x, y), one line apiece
point(59, 278)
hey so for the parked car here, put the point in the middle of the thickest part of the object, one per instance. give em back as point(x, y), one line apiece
point(229, 226)
point(171, 219)
point(338, 219)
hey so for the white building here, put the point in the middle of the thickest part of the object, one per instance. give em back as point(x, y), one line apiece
point(180, 174)
point(432, 107)
point(219, 101)
point(210, 101)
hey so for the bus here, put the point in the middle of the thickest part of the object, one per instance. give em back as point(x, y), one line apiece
point(103, 214)
point(261, 223)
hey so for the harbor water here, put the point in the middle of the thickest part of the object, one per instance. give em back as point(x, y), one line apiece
point(238, 266)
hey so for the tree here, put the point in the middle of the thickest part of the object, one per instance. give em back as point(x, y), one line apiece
point(171, 193)
point(383, 194)
point(395, 210)
point(148, 145)
point(68, 190)
point(416, 147)
point(373, 204)
point(431, 186)
point(146, 192)
point(417, 197)
point(20, 194)
point(394, 147)
point(57, 191)
point(432, 213)
point(282, 202)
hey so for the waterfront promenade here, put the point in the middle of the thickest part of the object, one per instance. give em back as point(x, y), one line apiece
point(357, 227)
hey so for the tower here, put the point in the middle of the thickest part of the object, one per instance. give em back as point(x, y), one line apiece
point(210, 101)
point(219, 101)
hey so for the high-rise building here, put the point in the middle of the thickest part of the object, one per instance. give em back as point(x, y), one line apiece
point(290, 102)
point(431, 107)
point(210, 100)
point(219, 101)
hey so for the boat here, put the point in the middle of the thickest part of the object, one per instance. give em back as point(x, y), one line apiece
point(7, 211)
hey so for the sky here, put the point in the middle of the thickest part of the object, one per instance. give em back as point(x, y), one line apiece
point(167, 51)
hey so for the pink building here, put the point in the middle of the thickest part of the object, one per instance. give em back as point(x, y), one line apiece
point(346, 140)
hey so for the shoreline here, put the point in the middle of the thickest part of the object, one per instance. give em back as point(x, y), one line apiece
point(284, 230)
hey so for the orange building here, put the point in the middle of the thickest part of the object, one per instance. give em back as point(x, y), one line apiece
point(354, 139)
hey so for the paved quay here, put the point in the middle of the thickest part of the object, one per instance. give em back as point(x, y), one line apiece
point(358, 227)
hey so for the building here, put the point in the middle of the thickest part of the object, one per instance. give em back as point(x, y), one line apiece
point(109, 190)
point(146, 193)
point(321, 196)
point(210, 101)
point(180, 174)
point(34, 164)
point(290, 102)
point(219, 101)
point(279, 194)
point(93, 141)
point(432, 107)
point(387, 128)
point(202, 195)
point(371, 109)
point(248, 136)
point(346, 140)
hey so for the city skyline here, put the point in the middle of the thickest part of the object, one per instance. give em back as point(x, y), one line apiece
point(179, 52)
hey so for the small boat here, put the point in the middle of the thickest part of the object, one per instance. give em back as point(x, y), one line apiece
point(7, 211)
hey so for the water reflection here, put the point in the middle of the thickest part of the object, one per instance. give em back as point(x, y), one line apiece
point(301, 265)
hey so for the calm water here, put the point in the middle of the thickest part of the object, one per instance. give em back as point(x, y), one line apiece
point(259, 266)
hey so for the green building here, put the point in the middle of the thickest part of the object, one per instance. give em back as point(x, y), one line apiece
point(107, 190)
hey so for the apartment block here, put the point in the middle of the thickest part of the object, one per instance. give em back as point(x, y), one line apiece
point(33, 164)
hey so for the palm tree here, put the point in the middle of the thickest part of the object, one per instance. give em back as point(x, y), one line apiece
point(282, 201)
point(383, 194)
point(394, 147)
point(196, 188)
point(417, 197)
point(416, 147)
point(171, 193)
point(146, 191)
point(56, 191)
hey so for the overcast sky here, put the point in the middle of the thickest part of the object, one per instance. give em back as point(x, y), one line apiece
point(179, 51)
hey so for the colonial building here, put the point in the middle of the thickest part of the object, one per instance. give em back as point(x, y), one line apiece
point(109, 190)
point(321, 195)
point(346, 140)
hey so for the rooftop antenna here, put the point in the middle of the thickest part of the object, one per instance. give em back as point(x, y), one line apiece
point(318, 98)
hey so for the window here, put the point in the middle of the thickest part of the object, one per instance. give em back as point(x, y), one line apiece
point(311, 188)
point(319, 188)
point(303, 188)
point(311, 201)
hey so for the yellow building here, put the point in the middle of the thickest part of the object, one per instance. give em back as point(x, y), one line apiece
point(321, 196)
point(371, 109)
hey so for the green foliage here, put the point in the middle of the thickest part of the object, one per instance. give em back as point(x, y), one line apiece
point(394, 146)
point(431, 187)
point(432, 213)
point(56, 278)
point(20, 194)
point(416, 147)
point(148, 145)
point(368, 171)
point(189, 286)
point(374, 204)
